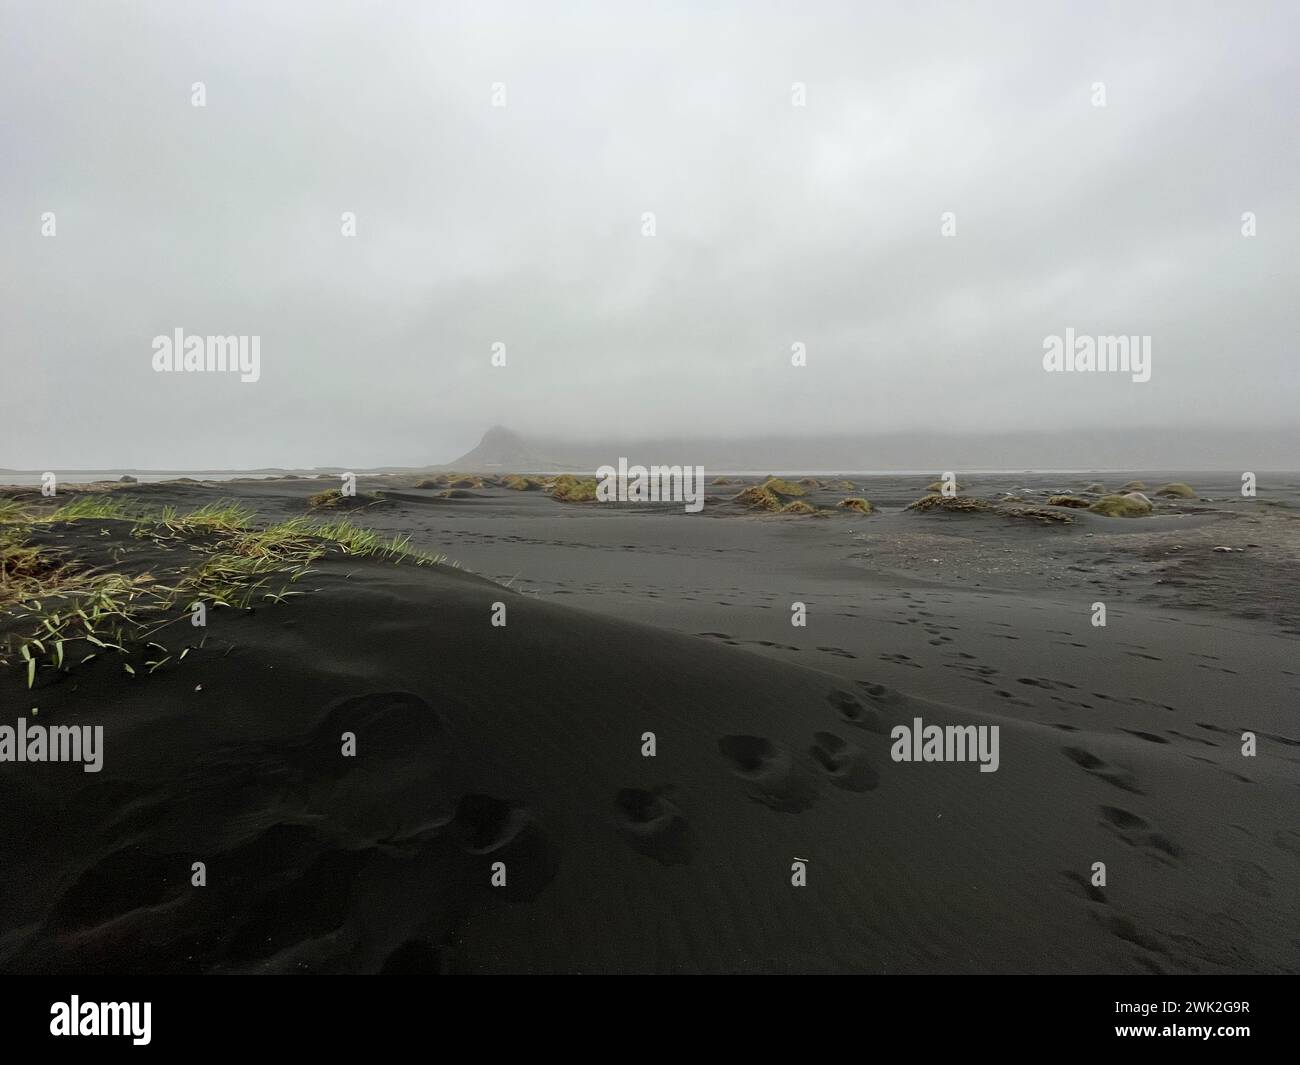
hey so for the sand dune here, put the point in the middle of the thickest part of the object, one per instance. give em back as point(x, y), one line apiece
point(478, 744)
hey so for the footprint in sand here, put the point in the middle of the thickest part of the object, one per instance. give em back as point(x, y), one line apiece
point(1093, 892)
point(653, 825)
point(507, 832)
point(771, 773)
point(850, 708)
point(1150, 737)
point(402, 744)
point(1135, 831)
point(843, 762)
point(417, 957)
point(1253, 878)
point(1125, 929)
point(128, 879)
point(1088, 761)
point(882, 694)
point(1287, 839)
point(1122, 819)
point(484, 824)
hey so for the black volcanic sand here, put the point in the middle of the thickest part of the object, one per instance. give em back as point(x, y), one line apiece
point(522, 745)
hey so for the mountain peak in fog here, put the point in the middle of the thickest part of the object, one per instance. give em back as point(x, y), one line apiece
point(499, 448)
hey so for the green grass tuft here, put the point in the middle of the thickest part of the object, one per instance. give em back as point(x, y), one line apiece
point(91, 506)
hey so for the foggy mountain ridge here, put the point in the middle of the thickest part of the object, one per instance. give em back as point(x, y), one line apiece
point(1172, 449)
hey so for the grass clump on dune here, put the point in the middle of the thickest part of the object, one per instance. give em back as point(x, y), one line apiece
point(800, 506)
point(855, 503)
point(1177, 490)
point(782, 487)
point(27, 570)
point(328, 498)
point(333, 498)
point(971, 505)
point(570, 489)
point(91, 505)
point(936, 501)
point(63, 612)
point(366, 543)
point(758, 497)
point(519, 483)
point(211, 518)
point(13, 512)
point(1131, 505)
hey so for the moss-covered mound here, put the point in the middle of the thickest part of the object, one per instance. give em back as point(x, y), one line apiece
point(451, 480)
point(1132, 505)
point(570, 489)
point(1133, 486)
point(334, 498)
point(758, 497)
point(519, 483)
point(799, 506)
point(937, 486)
point(936, 501)
point(783, 487)
point(720, 480)
point(1068, 501)
point(1178, 490)
point(1096, 488)
point(971, 505)
point(855, 503)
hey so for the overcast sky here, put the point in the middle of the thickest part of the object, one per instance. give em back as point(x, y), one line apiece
point(523, 224)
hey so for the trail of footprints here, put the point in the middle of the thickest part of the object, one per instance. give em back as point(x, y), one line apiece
point(652, 824)
point(774, 778)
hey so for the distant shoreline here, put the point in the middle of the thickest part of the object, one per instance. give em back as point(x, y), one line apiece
point(28, 478)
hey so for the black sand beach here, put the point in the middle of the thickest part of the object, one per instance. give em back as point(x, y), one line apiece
point(523, 744)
